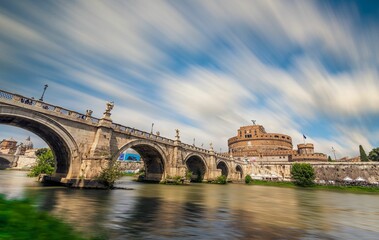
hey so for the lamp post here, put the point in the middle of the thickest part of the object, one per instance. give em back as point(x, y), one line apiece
point(43, 93)
point(152, 127)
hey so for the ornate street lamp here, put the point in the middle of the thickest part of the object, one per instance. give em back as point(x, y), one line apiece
point(41, 99)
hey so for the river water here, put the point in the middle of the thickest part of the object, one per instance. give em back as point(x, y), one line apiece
point(203, 211)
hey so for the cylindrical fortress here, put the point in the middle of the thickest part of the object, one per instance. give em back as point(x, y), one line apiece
point(255, 138)
point(253, 142)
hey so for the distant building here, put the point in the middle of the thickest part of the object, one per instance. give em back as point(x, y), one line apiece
point(129, 155)
point(24, 152)
point(253, 143)
point(8, 146)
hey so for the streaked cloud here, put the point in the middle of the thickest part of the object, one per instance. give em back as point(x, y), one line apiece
point(206, 67)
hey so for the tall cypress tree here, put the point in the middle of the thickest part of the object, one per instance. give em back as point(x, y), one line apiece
point(362, 152)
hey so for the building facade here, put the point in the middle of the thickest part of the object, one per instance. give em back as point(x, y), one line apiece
point(255, 144)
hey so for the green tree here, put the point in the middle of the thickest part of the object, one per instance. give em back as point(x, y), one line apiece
point(45, 163)
point(248, 179)
point(330, 159)
point(41, 151)
point(374, 154)
point(111, 173)
point(363, 154)
point(303, 174)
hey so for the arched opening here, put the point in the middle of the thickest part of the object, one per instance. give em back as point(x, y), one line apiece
point(4, 163)
point(197, 167)
point(239, 171)
point(152, 157)
point(224, 168)
point(48, 130)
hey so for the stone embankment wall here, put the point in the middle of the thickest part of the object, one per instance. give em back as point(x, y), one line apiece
point(24, 162)
point(131, 166)
point(328, 171)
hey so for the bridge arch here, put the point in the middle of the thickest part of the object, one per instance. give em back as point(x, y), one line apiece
point(239, 172)
point(54, 134)
point(224, 167)
point(4, 163)
point(197, 165)
point(151, 154)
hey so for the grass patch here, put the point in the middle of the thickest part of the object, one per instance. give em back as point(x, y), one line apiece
point(352, 189)
point(20, 220)
point(270, 183)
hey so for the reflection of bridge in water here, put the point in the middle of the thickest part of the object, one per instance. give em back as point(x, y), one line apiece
point(83, 144)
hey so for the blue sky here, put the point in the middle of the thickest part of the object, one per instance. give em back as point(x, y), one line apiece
point(205, 67)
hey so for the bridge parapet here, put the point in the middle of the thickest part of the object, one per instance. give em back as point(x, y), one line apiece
point(41, 106)
point(194, 148)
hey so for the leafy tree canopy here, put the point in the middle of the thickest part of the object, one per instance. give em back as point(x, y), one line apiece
point(374, 154)
point(45, 163)
point(303, 174)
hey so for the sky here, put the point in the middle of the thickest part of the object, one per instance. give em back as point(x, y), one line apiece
point(205, 67)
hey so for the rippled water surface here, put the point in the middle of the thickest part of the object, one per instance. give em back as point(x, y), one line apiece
point(204, 211)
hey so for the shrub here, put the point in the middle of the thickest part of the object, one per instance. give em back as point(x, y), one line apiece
point(330, 159)
point(303, 174)
point(111, 173)
point(220, 180)
point(45, 163)
point(248, 179)
point(374, 154)
point(189, 175)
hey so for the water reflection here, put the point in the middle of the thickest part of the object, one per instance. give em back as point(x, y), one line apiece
point(205, 211)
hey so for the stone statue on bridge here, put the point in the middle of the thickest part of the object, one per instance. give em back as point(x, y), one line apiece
point(108, 110)
point(110, 106)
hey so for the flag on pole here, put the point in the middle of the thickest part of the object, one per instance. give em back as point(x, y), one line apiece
point(304, 136)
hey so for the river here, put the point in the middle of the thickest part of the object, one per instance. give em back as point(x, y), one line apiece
point(203, 211)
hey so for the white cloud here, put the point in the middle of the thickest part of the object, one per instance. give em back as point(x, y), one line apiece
point(93, 52)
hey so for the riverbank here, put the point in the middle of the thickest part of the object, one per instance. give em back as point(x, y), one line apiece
point(19, 219)
point(352, 189)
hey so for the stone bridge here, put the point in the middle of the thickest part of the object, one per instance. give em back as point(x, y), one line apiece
point(7, 160)
point(83, 144)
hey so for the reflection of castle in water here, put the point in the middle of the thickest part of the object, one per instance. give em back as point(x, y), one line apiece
point(254, 143)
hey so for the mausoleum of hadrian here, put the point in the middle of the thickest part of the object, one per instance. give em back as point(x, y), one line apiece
point(253, 143)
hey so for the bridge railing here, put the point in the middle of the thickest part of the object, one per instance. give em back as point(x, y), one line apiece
point(192, 147)
point(141, 134)
point(16, 98)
